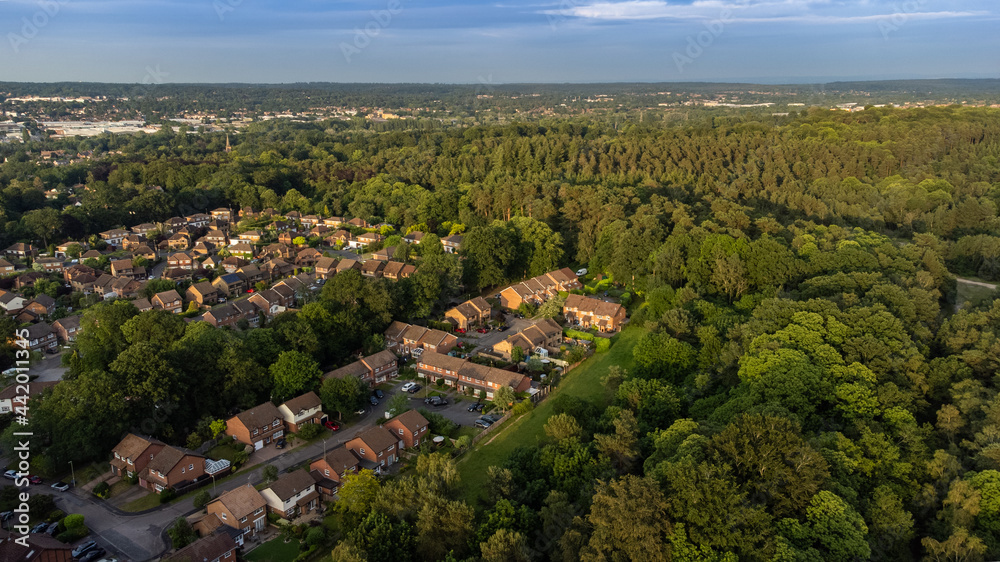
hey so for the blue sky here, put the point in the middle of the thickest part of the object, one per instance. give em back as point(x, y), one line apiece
point(496, 42)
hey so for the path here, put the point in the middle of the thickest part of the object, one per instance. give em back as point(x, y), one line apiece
point(991, 286)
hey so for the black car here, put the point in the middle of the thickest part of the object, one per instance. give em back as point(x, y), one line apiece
point(472, 407)
point(40, 528)
point(280, 444)
point(504, 328)
point(480, 406)
point(81, 549)
point(379, 394)
point(373, 400)
point(414, 388)
point(93, 555)
point(490, 418)
point(52, 530)
point(435, 401)
point(483, 423)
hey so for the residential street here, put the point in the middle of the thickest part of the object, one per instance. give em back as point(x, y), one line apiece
point(141, 537)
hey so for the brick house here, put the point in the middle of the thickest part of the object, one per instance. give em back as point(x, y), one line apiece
point(302, 410)
point(133, 453)
point(243, 509)
point(589, 312)
point(21, 250)
point(258, 426)
point(41, 305)
point(6, 266)
point(218, 547)
point(546, 334)
point(326, 267)
point(404, 338)
point(377, 446)
point(9, 400)
point(41, 336)
point(374, 369)
point(475, 312)
point(179, 241)
point(180, 260)
point(372, 268)
point(291, 495)
point(67, 328)
point(409, 427)
point(230, 284)
point(467, 376)
point(170, 301)
point(171, 467)
point(202, 293)
point(34, 547)
point(452, 243)
point(231, 313)
point(329, 470)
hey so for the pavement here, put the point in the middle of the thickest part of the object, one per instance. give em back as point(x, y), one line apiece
point(50, 368)
point(140, 537)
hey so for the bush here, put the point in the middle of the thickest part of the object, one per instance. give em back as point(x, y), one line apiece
point(102, 490)
point(201, 499)
point(523, 407)
point(56, 515)
point(310, 431)
point(440, 383)
point(602, 345)
point(74, 523)
point(167, 495)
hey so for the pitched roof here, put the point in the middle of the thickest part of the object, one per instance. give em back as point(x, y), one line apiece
point(167, 296)
point(592, 305)
point(69, 322)
point(132, 446)
point(259, 416)
point(203, 288)
point(291, 483)
point(167, 459)
point(34, 389)
point(377, 438)
point(242, 501)
point(203, 550)
point(380, 359)
point(340, 459)
point(411, 420)
point(306, 401)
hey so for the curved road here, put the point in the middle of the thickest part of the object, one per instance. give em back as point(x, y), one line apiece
point(140, 537)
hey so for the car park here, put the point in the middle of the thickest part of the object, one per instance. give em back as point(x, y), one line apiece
point(83, 548)
point(61, 486)
point(379, 394)
point(331, 425)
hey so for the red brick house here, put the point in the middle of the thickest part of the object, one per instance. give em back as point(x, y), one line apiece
point(258, 426)
point(474, 312)
point(133, 453)
point(410, 428)
point(169, 301)
point(67, 328)
point(39, 548)
point(243, 509)
point(467, 376)
point(292, 494)
point(377, 446)
point(333, 467)
point(219, 547)
point(374, 369)
point(202, 293)
point(589, 312)
point(171, 467)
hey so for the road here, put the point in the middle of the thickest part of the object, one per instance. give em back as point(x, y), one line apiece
point(49, 369)
point(140, 537)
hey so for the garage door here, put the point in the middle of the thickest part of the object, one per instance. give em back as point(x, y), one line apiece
point(258, 445)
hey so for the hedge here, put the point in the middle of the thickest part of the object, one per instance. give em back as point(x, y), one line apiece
point(578, 335)
point(602, 345)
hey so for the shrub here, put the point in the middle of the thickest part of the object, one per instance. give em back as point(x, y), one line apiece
point(56, 515)
point(602, 345)
point(309, 431)
point(74, 523)
point(167, 495)
point(102, 490)
point(578, 335)
point(523, 407)
point(201, 499)
point(440, 383)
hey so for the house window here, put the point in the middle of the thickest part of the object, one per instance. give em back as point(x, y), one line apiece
point(243, 519)
point(362, 451)
point(259, 511)
point(223, 515)
point(255, 431)
point(326, 472)
point(275, 424)
point(401, 431)
point(190, 467)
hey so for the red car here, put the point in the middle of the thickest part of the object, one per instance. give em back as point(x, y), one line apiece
point(331, 425)
point(482, 330)
point(34, 480)
point(460, 330)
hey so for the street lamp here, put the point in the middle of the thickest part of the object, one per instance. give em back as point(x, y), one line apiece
point(73, 472)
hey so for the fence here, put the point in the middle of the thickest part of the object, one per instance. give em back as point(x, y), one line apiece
point(490, 429)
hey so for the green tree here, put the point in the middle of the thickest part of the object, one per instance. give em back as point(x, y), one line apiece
point(201, 499)
point(562, 426)
point(384, 540)
point(505, 546)
point(343, 395)
point(504, 397)
point(629, 522)
point(181, 534)
point(358, 491)
point(269, 473)
point(294, 373)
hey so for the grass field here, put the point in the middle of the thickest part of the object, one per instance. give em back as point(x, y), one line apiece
point(274, 550)
point(972, 294)
point(583, 382)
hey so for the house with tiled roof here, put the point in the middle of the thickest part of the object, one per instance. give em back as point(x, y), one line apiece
point(133, 453)
point(34, 547)
point(410, 428)
point(588, 312)
point(329, 470)
point(546, 334)
point(475, 312)
point(374, 369)
point(404, 338)
point(170, 301)
point(377, 446)
point(10, 396)
point(171, 467)
point(217, 547)
point(243, 508)
point(204, 293)
point(467, 376)
point(292, 494)
point(258, 426)
point(301, 411)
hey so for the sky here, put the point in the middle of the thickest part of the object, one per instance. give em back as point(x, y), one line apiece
point(496, 42)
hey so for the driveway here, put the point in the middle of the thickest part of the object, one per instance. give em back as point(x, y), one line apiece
point(49, 369)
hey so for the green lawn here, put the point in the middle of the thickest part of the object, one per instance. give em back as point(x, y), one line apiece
point(973, 294)
point(583, 382)
point(274, 550)
point(149, 501)
point(219, 452)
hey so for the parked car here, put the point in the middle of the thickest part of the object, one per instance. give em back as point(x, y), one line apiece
point(373, 400)
point(93, 555)
point(504, 328)
point(435, 401)
point(40, 528)
point(280, 444)
point(84, 548)
point(61, 486)
point(472, 407)
point(6, 515)
point(460, 330)
point(52, 530)
point(480, 406)
point(491, 418)
point(483, 423)
point(331, 425)
point(379, 394)
point(414, 388)
point(581, 272)
point(407, 386)
point(35, 480)
point(12, 474)
point(360, 412)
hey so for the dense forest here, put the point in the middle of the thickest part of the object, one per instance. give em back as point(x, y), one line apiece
point(803, 387)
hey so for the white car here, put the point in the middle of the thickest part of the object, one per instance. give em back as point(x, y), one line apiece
point(581, 272)
point(408, 386)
